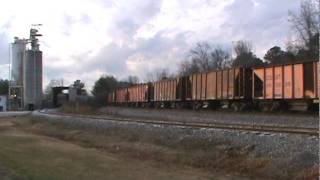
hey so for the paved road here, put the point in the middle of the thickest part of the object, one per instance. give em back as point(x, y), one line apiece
point(14, 113)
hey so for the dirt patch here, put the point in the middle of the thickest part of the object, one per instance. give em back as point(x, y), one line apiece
point(31, 155)
point(188, 151)
point(4, 173)
point(6, 123)
point(198, 155)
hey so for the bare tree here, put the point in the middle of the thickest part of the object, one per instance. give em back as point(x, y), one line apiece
point(159, 74)
point(188, 67)
point(200, 56)
point(184, 67)
point(244, 55)
point(163, 74)
point(307, 25)
point(220, 58)
point(133, 79)
point(205, 57)
point(150, 77)
point(242, 47)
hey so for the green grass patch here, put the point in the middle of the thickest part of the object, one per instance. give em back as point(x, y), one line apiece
point(30, 158)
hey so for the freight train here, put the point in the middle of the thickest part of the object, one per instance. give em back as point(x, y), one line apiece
point(289, 86)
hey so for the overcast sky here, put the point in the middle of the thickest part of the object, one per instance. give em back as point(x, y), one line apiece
point(84, 39)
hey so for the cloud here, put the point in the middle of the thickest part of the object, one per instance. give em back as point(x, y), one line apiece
point(84, 39)
point(4, 54)
point(144, 56)
point(130, 16)
point(264, 23)
point(4, 49)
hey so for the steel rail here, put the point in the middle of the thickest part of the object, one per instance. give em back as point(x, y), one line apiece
point(228, 126)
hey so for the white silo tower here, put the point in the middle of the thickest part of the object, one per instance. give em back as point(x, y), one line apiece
point(32, 74)
point(17, 54)
point(18, 48)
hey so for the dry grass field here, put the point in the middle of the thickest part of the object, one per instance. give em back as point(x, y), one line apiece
point(32, 148)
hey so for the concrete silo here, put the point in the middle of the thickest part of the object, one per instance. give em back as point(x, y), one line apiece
point(18, 49)
point(25, 86)
point(32, 71)
point(32, 74)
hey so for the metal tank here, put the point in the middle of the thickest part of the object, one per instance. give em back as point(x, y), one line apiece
point(18, 49)
point(32, 74)
point(32, 78)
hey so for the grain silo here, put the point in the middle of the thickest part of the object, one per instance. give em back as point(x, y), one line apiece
point(32, 74)
point(18, 49)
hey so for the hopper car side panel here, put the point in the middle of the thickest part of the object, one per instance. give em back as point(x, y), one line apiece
point(292, 81)
point(220, 85)
point(235, 87)
point(166, 90)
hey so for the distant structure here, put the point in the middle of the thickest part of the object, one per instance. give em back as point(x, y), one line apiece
point(18, 51)
point(3, 103)
point(32, 74)
point(59, 96)
point(73, 94)
point(18, 48)
point(25, 86)
point(77, 93)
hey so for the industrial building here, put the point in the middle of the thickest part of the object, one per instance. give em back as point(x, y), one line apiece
point(73, 94)
point(25, 86)
point(3, 103)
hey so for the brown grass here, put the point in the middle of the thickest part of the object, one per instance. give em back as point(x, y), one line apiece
point(27, 155)
point(311, 173)
point(189, 151)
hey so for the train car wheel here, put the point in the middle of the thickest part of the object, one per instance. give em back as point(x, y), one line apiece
point(239, 106)
point(196, 105)
point(236, 107)
point(179, 105)
point(214, 105)
point(265, 106)
point(276, 106)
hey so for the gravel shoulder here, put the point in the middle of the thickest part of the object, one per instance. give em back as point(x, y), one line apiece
point(270, 155)
point(4, 173)
point(210, 116)
point(38, 156)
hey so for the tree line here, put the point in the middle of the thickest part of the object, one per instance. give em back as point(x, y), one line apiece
point(204, 57)
point(4, 87)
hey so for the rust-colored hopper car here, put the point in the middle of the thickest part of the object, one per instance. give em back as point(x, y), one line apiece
point(231, 87)
point(167, 93)
point(138, 95)
point(121, 96)
point(111, 97)
point(292, 85)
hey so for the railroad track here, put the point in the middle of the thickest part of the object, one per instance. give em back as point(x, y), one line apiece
point(228, 126)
